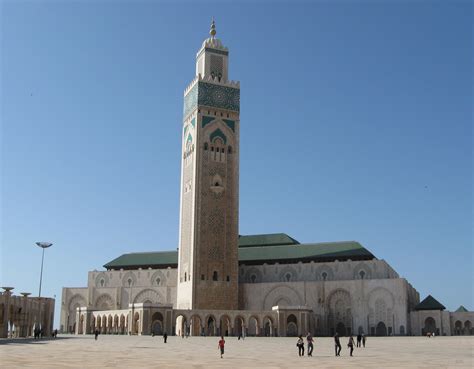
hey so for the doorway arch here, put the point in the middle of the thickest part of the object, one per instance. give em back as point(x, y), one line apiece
point(157, 324)
point(195, 326)
point(430, 326)
point(225, 326)
point(381, 329)
point(267, 326)
point(341, 329)
point(211, 326)
point(181, 326)
point(239, 326)
point(291, 326)
point(467, 328)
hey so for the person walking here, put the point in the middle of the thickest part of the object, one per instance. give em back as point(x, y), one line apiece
point(350, 344)
point(310, 340)
point(363, 339)
point(96, 333)
point(359, 339)
point(337, 344)
point(300, 345)
point(165, 337)
point(221, 344)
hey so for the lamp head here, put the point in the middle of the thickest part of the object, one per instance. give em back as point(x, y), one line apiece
point(44, 245)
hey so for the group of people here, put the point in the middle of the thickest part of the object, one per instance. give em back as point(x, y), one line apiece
point(337, 344)
point(38, 333)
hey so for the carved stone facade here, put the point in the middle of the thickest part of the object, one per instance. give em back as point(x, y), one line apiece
point(219, 283)
point(383, 304)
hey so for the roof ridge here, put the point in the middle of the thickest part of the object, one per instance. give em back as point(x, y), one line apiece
point(328, 242)
point(263, 234)
point(148, 252)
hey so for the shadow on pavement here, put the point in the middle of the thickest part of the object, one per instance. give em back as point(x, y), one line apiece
point(9, 341)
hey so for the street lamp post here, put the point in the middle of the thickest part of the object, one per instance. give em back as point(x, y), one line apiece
point(43, 245)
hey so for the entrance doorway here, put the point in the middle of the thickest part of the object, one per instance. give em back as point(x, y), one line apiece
point(381, 329)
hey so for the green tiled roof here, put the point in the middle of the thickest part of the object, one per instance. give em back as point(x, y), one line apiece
point(308, 251)
point(461, 309)
point(249, 254)
point(266, 240)
point(430, 303)
point(144, 260)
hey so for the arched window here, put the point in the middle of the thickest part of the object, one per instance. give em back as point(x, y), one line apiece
point(229, 149)
point(325, 276)
point(253, 278)
point(212, 148)
point(202, 277)
point(129, 282)
point(362, 274)
point(102, 282)
point(185, 276)
point(205, 146)
point(158, 280)
point(214, 276)
point(228, 279)
point(288, 277)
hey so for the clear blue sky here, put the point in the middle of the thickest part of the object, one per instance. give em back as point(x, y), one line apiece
point(355, 125)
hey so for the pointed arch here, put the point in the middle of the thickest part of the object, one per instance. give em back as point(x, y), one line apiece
point(218, 134)
point(149, 295)
point(158, 278)
point(281, 292)
point(129, 279)
point(102, 280)
point(104, 302)
point(362, 271)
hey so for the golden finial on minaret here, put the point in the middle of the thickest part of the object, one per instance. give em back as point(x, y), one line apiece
point(212, 32)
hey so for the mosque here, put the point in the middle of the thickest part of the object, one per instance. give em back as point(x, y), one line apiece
point(223, 283)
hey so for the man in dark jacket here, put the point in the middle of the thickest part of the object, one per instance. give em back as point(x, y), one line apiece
point(337, 344)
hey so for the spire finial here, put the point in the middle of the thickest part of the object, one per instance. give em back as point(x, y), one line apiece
point(213, 32)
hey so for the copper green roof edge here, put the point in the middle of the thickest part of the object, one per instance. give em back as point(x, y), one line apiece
point(269, 239)
point(461, 309)
point(145, 258)
point(251, 254)
point(430, 303)
point(304, 251)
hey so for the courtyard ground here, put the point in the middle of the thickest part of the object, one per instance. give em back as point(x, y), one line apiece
point(201, 352)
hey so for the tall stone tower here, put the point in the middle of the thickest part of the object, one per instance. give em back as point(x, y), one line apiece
point(208, 239)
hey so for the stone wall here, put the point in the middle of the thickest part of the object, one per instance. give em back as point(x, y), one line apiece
point(345, 305)
point(337, 270)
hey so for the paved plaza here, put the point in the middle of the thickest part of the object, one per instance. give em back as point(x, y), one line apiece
point(202, 352)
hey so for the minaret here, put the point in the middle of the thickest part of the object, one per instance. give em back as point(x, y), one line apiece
point(208, 239)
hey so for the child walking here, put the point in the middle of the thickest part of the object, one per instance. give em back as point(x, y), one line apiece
point(221, 345)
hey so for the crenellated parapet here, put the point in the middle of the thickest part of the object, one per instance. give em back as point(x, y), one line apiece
point(213, 80)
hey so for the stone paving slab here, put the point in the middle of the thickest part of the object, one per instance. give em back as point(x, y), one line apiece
point(202, 352)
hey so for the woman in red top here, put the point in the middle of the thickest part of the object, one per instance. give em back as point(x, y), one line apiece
point(221, 345)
